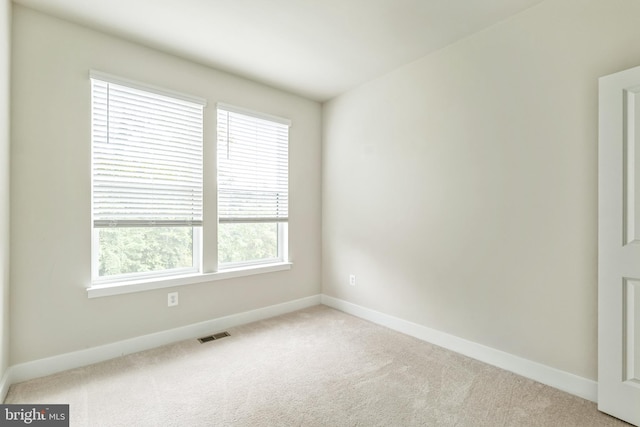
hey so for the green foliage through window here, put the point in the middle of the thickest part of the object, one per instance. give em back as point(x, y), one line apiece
point(144, 249)
point(241, 242)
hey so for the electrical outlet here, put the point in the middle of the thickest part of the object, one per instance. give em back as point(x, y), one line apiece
point(352, 279)
point(172, 299)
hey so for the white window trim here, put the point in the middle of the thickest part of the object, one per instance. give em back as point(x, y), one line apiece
point(282, 224)
point(152, 276)
point(253, 113)
point(189, 279)
point(110, 78)
point(125, 284)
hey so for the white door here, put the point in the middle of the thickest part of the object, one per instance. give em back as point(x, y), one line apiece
point(619, 246)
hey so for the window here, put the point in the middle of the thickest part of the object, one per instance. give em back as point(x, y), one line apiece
point(253, 187)
point(147, 180)
point(148, 184)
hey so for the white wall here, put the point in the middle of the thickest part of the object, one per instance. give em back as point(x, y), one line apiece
point(461, 189)
point(5, 55)
point(50, 191)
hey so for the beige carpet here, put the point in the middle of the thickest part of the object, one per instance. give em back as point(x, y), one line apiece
point(315, 367)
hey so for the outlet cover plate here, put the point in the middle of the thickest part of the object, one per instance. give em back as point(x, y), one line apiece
point(172, 299)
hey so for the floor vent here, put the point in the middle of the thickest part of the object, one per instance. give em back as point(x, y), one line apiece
point(214, 337)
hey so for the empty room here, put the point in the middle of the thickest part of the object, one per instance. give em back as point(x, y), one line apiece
point(319, 213)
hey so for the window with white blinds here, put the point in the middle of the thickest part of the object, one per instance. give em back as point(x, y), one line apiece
point(147, 155)
point(147, 176)
point(147, 181)
point(253, 167)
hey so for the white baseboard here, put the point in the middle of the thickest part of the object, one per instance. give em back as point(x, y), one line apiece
point(570, 383)
point(565, 381)
point(76, 359)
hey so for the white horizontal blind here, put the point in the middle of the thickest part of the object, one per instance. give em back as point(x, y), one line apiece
point(146, 158)
point(253, 167)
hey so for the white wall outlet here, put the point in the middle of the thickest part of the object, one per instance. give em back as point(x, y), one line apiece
point(172, 299)
point(352, 279)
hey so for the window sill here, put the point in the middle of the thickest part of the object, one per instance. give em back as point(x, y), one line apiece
point(105, 290)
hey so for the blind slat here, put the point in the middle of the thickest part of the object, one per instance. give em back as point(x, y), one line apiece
point(253, 159)
point(146, 157)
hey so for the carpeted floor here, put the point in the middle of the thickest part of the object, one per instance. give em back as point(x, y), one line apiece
point(314, 367)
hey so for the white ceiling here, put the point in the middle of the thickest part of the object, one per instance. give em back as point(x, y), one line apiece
point(315, 48)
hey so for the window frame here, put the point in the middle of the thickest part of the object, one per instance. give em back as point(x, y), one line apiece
point(282, 226)
point(199, 273)
point(196, 249)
